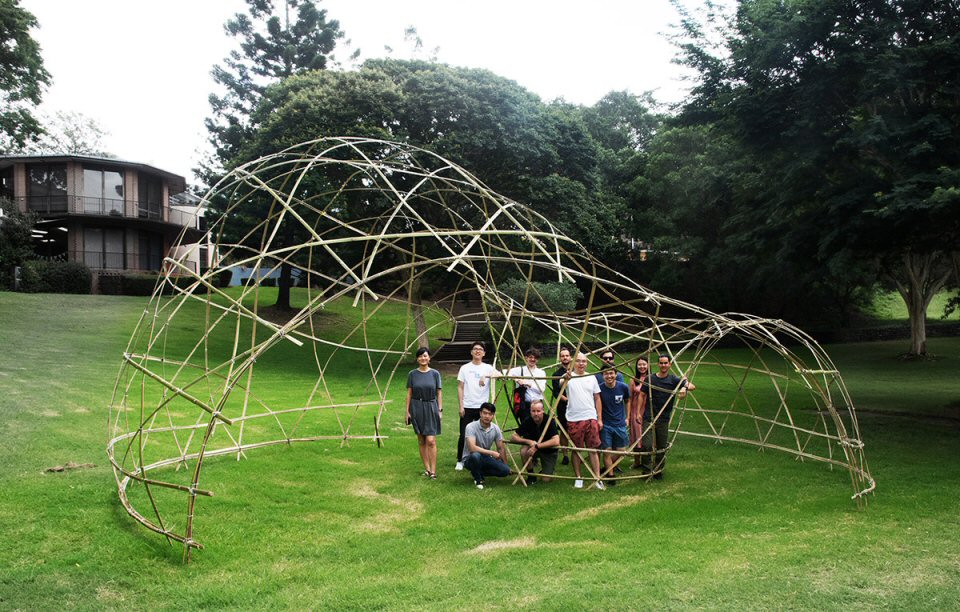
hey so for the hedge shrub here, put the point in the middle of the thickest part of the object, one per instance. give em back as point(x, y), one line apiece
point(553, 297)
point(139, 284)
point(39, 276)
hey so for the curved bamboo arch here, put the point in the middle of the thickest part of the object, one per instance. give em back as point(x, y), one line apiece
point(370, 224)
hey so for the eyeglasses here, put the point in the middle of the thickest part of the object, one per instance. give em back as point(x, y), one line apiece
point(608, 358)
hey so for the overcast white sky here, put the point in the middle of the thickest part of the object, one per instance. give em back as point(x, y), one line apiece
point(141, 68)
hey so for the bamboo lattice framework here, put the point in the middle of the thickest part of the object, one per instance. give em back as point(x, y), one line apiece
point(371, 228)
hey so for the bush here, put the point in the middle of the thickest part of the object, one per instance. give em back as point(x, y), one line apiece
point(55, 277)
point(109, 284)
point(16, 242)
point(224, 277)
point(139, 284)
point(553, 297)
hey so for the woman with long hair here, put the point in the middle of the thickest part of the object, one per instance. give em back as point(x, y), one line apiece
point(425, 408)
point(638, 401)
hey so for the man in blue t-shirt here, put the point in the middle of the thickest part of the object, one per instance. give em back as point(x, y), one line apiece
point(613, 397)
point(661, 388)
point(608, 359)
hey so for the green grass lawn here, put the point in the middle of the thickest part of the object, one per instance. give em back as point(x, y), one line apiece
point(319, 526)
point(889, 306)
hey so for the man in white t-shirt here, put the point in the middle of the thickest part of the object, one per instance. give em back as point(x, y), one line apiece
point(473, 389)
point(533, 378)
point(584, 417)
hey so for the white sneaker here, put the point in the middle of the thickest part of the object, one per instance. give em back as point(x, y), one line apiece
point(577, 484)
point(480, 486)
point(459, 466)
point(600, 486)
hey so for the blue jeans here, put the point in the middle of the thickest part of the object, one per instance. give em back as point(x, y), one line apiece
point(481, 465)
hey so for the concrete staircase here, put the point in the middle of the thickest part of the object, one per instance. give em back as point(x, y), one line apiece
point(457, 350)
point(468, 326)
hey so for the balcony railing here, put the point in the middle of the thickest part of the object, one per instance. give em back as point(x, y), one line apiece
point(109, 207)
point(100, 206)
point(46, 204)
point(183, 218)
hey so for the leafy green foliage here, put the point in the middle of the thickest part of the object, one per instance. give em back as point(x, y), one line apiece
point(540, 296)
point(846, 126)
point(22, 77)
point(16, 241)
point(540, 154)
point(271, 48)
point(40, 276)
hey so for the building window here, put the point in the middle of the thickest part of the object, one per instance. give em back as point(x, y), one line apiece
point(151, 198)
point(102, 192)
point(103, 248)
point(47, 188)
point(6, 183)
point(151, 251)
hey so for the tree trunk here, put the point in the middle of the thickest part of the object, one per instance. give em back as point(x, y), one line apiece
point(286, 270)
point(423, 340)
point(924, 277)
point(283, 287)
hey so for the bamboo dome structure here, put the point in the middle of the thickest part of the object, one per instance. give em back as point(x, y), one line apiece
point(391, 235)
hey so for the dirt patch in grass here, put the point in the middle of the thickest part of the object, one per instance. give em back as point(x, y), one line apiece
point(497, 545)
point(106, 594)
point(70, 465)
point(629, 500)
point(399, 510)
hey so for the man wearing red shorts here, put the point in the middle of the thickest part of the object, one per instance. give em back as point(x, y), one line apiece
point(584, 416)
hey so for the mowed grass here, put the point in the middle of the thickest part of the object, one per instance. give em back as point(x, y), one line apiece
point(889, 306)
point(320, 526)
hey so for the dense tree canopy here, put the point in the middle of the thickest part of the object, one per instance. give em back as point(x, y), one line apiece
point(22, 77)
point(849, 116)
point(537, 153)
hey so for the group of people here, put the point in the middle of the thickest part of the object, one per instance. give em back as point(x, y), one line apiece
point(598, 413)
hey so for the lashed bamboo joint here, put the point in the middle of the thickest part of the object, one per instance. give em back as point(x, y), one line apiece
point(378, 222)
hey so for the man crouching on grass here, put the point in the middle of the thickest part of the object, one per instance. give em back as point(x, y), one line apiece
point(534, 427)
point(478, 454)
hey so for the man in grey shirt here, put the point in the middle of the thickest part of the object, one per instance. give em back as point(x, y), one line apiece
point(478, 454)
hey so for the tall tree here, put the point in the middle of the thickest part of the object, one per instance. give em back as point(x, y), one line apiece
point(622, 125)
point(22, 77)
point(851, 111)
point(519, 146)
point(277, 40)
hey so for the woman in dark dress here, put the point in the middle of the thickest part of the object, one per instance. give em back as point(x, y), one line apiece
point(424, 408)
point(638, 401)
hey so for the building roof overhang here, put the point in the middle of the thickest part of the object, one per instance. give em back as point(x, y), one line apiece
point(177, 183)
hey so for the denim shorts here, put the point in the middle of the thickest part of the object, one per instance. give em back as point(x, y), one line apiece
point(614, 437)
